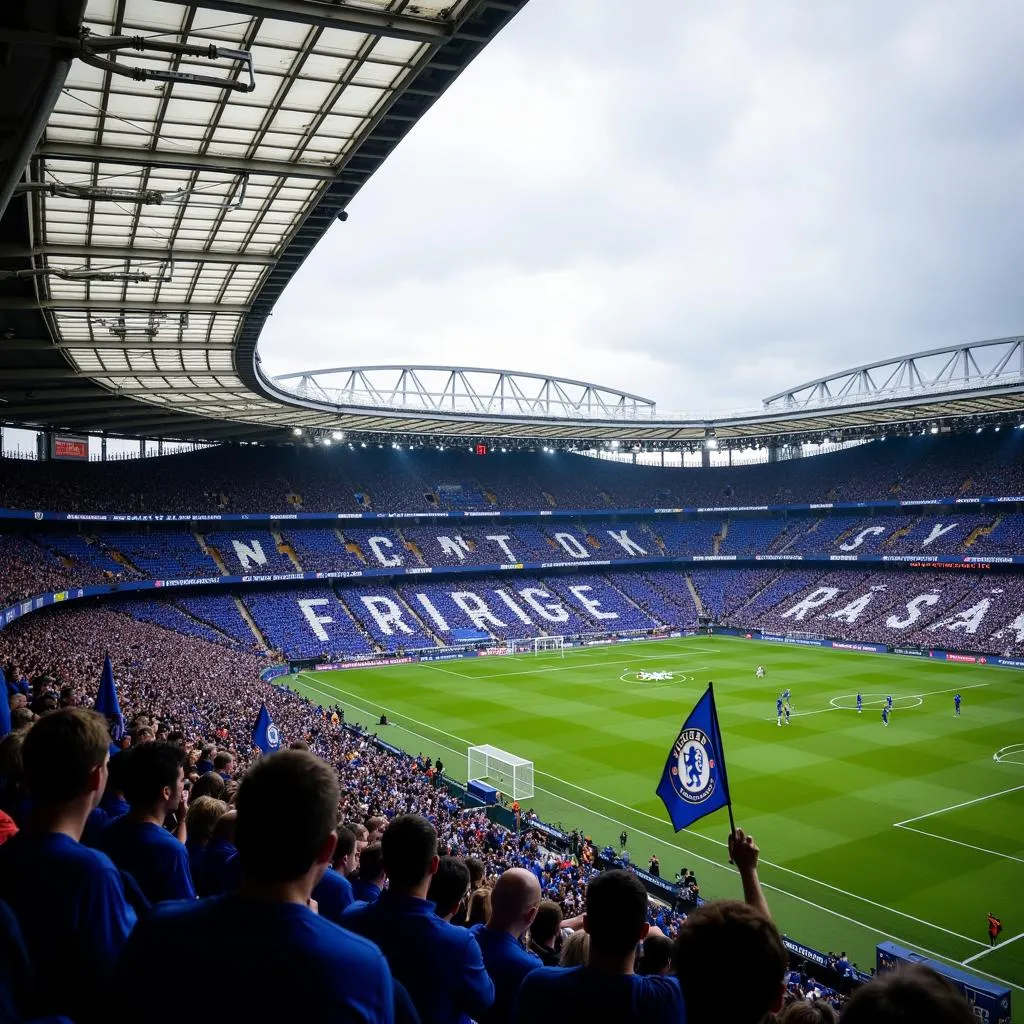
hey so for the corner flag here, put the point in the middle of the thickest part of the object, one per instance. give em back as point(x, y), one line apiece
point(694, 782)
point(264, 732)
point(107, 703)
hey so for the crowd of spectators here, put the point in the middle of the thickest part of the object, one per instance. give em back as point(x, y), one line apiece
point(356, 479)
point(336, 879)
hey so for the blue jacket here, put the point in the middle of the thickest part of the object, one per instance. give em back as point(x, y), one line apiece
point(508, 964)
point(439, 964)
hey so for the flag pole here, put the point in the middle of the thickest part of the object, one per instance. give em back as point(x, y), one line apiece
point(721, 758)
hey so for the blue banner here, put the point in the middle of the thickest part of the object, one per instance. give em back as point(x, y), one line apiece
point(572, 513)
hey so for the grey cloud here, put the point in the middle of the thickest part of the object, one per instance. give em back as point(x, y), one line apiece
point(747, 194)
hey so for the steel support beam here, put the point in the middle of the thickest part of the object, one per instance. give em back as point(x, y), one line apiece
point(86, 153)
point(345, 18)
point(137, 253)
point(122, 344)
point(125, 306)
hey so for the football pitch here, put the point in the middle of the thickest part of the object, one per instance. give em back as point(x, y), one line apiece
point(911, 832)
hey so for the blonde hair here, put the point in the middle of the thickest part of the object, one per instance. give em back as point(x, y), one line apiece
point(203, 814)
point(479, 911)
point(575, 950)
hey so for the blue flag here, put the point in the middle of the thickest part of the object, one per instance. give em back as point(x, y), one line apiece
point(694, 782)
point(264, 732)
point(107, 703)
point(5, 707)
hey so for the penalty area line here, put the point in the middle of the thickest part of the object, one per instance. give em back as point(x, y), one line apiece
point(990, 949)
point(702, 857)
point(717, 842)
point(954, 807)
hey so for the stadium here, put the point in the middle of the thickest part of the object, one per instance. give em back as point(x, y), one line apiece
point(467, 606)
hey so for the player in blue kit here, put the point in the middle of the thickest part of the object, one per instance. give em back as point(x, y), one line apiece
point(778, 711)
point(860, 704)
point(885, 715)
point(888, 703)
point(956, 705)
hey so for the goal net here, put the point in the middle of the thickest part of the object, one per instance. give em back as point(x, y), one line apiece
point(537, 644)
point(511, 775)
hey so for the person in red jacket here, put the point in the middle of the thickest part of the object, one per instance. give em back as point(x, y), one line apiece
point(995, 926)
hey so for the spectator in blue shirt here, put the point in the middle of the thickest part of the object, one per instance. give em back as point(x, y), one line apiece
point(439, 963)
point(334, 891)
point(606, 988)
point(449, 888)
point(514, 903)
point(205, 762)
point(369, 881)
point(112, 805)
point(200, 821)
point(138, 843)
point(224, 764)
point(68, 899)
point(727, 949)
point(284, 961)
point(222, 870)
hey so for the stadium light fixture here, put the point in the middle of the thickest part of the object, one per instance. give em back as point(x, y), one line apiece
point(935, 429)
point(297, 431)
point(362, 444)
point(711, 442)
point(979, 430)
point(326, 441)
point(615, 444)
point(997, 428)
point(338, 436)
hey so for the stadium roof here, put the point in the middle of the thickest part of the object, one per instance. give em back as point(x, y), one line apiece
point(170, 164)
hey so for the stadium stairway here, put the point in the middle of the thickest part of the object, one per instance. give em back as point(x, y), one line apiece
point(894, 538)
point(339, 593)
point(610, 580)
point(209, 549)
point(697, 602)
point(412, 547)
point(751, 598)
point(352, 548)
point(251, 623)
point(982, 531)
point(420, 621)
point(719, 538)
point(285, 548)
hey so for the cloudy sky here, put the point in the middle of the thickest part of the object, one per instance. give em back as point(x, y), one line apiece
point(700, 202)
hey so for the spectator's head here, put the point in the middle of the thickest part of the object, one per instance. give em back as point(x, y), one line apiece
point(210, 784)
point(202, 817)
point(803, 1011)
point(375, 828)
point(154, 778)
point(616, 917)
point(575, 950)
point(477, 872)
point(547, 924)
point(721, 942)
point(360, 833)
point(144, 735)
point(116, 771)
point(514, 901)
point(64, 758)
point(206, 752)
point(223, 762)
point(224, 830)
point(287, 812)
point(479, 910)
point(657, 955)
point(345, 850)
point(909, 995)
point(21, 718)
point(409, 846)
point(449, 888)
point(371, 865)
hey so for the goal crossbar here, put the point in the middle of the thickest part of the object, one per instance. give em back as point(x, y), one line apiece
point(508, 773)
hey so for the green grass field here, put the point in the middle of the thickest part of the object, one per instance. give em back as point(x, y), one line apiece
point(909, 833)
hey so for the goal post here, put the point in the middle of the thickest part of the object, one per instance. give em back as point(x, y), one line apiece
point(549, 643)
point(506, 772)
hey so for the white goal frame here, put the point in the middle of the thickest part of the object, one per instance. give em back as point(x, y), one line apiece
point(538, 645)
point(509, 774)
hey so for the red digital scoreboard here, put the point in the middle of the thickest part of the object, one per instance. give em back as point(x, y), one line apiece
point(69, 446)
point(480, 449)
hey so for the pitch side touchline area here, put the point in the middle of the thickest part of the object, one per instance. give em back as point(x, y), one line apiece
point(521, 683)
